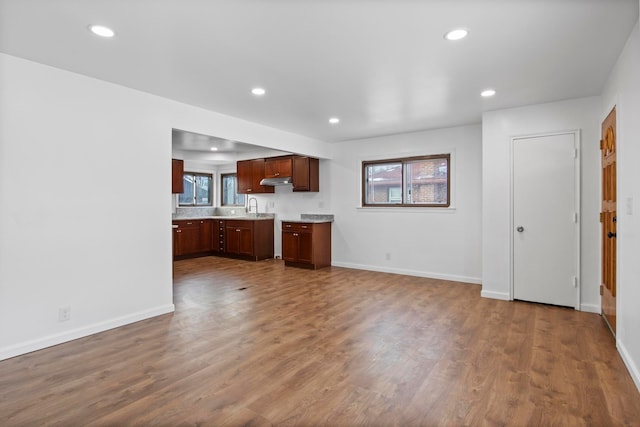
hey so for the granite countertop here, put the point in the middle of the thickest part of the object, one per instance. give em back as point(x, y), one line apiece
point(311, 218)
point(249, 217)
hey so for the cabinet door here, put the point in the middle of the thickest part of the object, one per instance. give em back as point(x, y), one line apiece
point(305, 247)
point(245, 241)
point(177, 172)
point(206, 243)
point(187, 239)
point(244, 171)
point(232, 240)
point(277, 167)
point(258, 174)
point(306, 174)
point(289, 245)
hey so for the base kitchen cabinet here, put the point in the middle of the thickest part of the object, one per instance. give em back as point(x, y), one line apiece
point(306, 244)
point(191, 237)
point(249, 239)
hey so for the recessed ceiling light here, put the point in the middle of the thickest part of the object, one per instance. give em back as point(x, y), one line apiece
point(214, 148)
point(334, 120)
point(487, 93)
point(101, 30)
point(457, 34)
point(258, 91)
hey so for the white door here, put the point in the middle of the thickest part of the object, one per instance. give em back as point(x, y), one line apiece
point(545, 219)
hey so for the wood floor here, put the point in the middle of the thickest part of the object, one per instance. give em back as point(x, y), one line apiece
point(255, 343)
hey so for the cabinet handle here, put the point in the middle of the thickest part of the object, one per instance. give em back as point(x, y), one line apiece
point(248, 189)
point(288, 225)
point(304, 226)
point(277, 174)
point(178, 231)
point(237, 229)
point(189, 223)
point(295, 234)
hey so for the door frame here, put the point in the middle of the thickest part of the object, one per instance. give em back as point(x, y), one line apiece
point(577, 180)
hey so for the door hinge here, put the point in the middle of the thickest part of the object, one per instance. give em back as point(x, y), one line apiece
point(601, 216)
point(602, 144)
point(575, 282)
point(575, 217)
point(575, 153)
point(601, 289)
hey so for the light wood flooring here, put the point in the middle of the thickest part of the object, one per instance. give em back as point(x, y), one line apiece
point(258, 343)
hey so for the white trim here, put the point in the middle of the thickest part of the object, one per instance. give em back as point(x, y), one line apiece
point(577, 183)
point(496, 295)
point(406, 209)
point(590, 308)
point(84, 331)
point(628, 361)
point(407, 272)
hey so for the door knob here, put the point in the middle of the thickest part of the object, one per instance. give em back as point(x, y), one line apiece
point(611, 235)
point(520, 229)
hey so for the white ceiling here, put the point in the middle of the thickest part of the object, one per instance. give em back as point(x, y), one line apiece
point(197, 148)
point(382, 66)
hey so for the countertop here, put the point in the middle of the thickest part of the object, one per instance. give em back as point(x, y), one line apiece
point(311, 218)
point(251, 217)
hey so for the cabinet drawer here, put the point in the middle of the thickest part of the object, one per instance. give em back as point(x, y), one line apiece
point(189, 223)
point(238, 223)
point(297, 226)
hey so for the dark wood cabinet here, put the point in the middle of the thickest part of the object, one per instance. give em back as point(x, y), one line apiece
point(239, 237)
point(278, 167)
point(243, 238)
point(218, 234)
point(306, 174)
point(250, 173)
point(188, 238)
point(306, 244)
point(252, 239)
point(177, 171)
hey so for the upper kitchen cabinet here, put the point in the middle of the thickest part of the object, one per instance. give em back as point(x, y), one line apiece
point(250, 173)
point(278, 167)
point(306, 174)
point(177, 181)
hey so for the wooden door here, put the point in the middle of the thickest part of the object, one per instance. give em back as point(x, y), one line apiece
point(245, 244)
point(305, 247)
point(608, 217)
point(289, 246)
point(244, 173)
point(545, 219)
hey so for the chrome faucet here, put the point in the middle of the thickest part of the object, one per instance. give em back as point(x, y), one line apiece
point(249, 204)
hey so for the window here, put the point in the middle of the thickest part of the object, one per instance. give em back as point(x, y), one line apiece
point(412, 181)
point(229, 185)
point(197, 189)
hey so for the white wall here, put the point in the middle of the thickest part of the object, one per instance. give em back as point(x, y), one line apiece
point(75, 229)
point(498, 127)
point(435, 242)
point(623, 91)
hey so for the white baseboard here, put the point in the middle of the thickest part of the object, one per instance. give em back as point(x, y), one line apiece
point(590, 308)
point(628, 361)
point(495, 295)
point(74, 334)
point(427, 274)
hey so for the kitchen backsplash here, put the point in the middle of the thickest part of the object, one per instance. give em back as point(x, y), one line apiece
point(208, 211)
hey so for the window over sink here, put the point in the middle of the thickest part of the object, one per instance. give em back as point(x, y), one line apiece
point(198, 190)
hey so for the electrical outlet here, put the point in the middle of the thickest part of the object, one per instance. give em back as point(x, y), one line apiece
point(64, 314)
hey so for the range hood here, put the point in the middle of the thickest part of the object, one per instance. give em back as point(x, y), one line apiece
point(284, 180)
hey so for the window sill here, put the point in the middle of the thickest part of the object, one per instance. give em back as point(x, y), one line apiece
point(405, 209)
